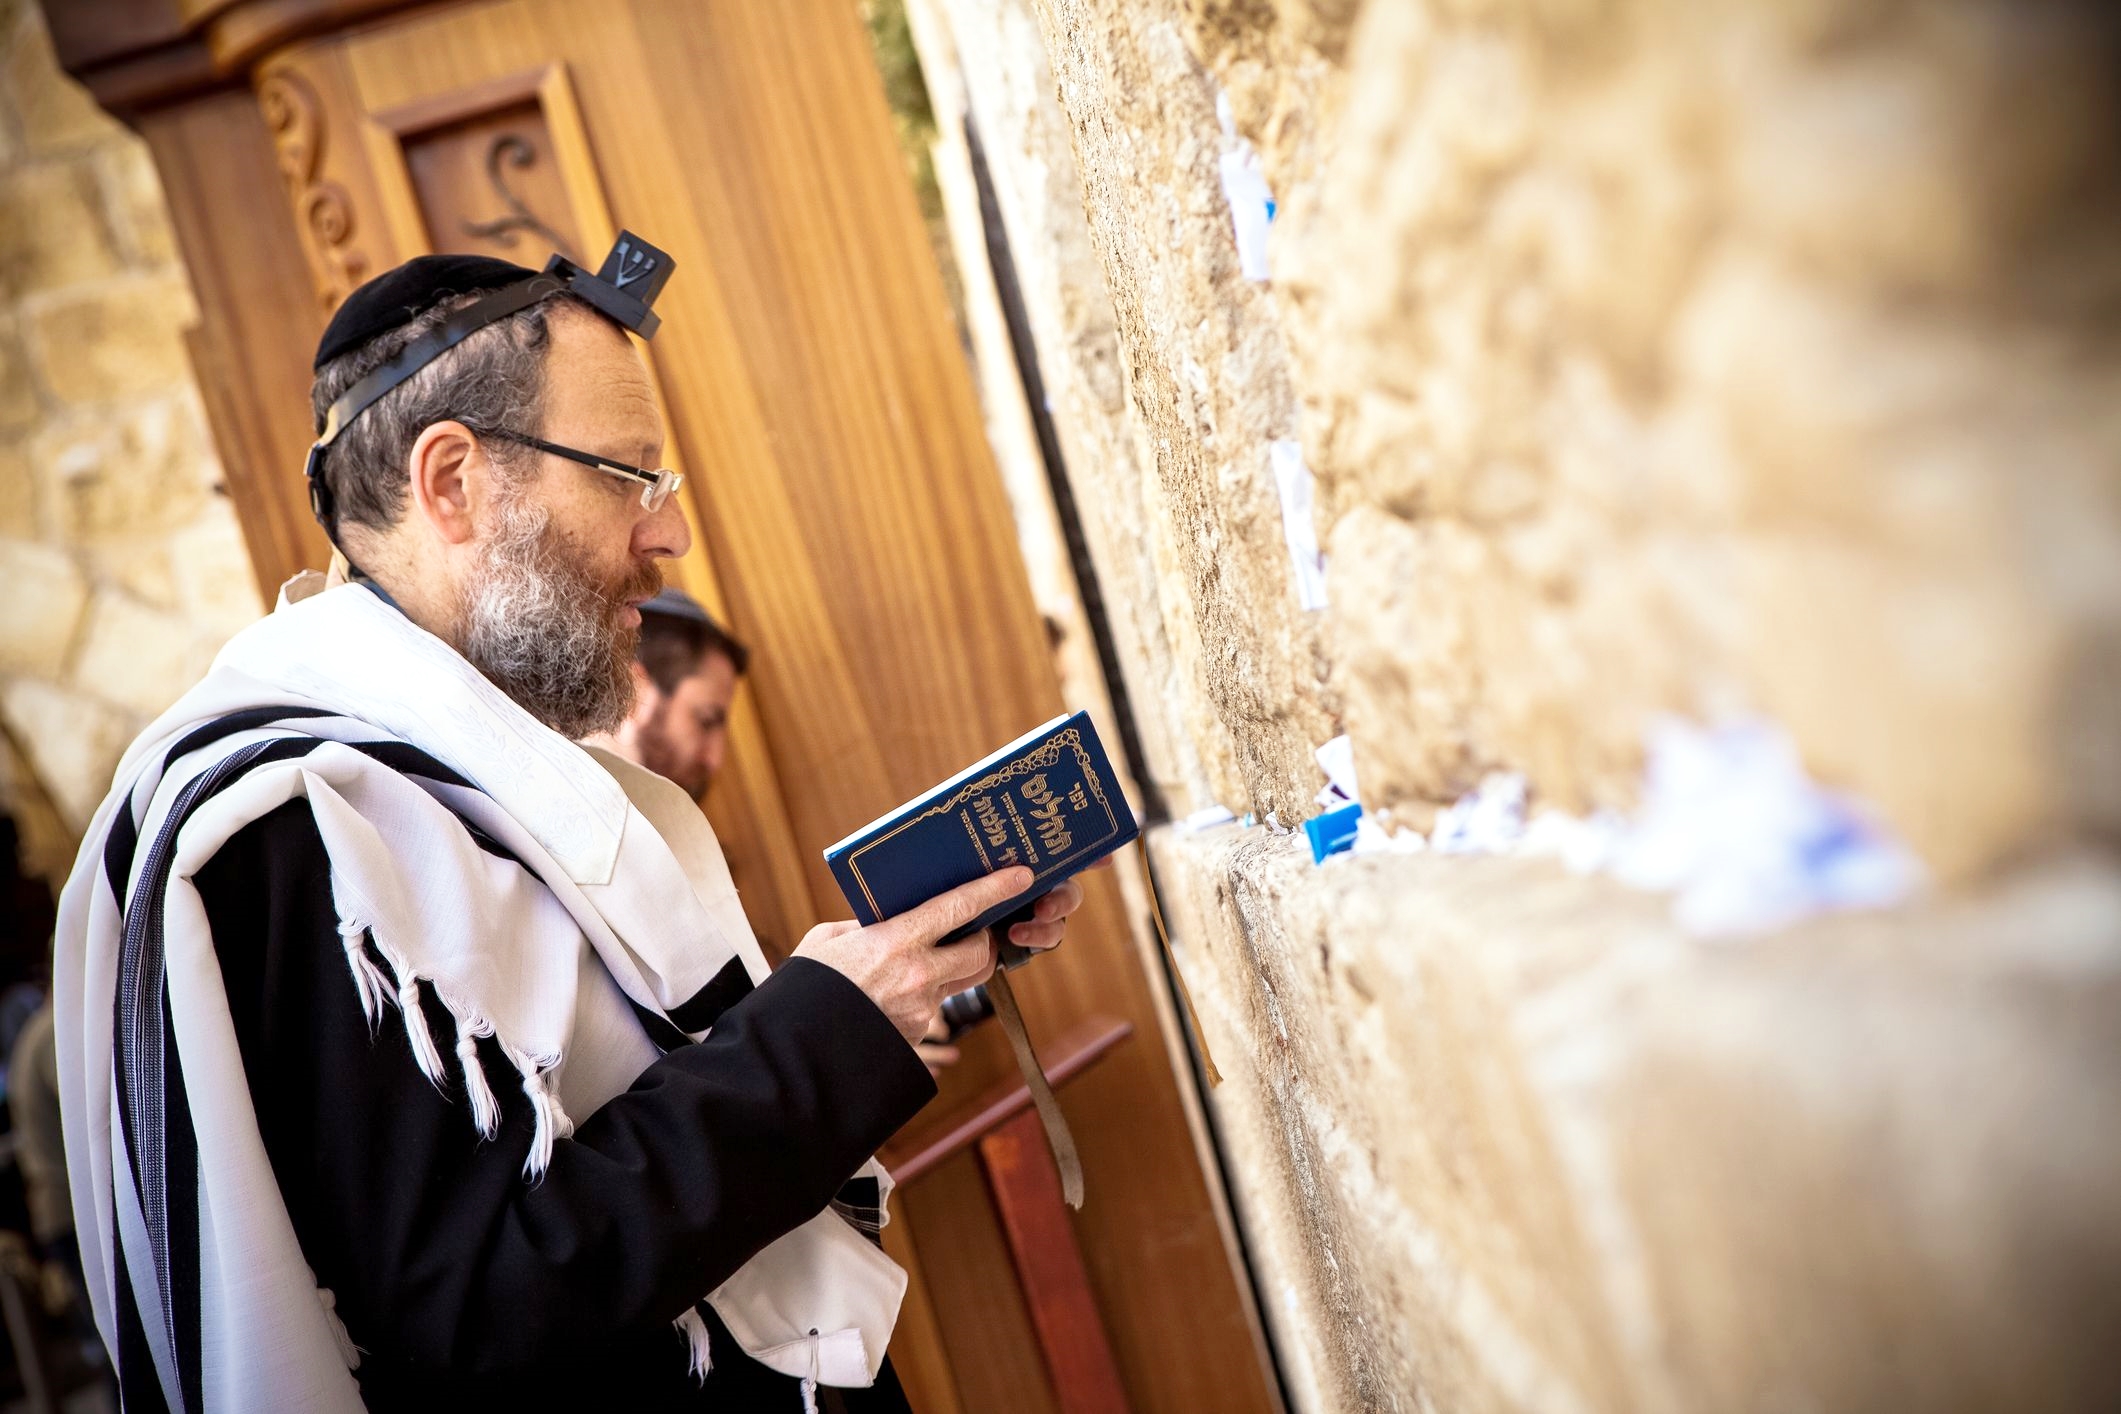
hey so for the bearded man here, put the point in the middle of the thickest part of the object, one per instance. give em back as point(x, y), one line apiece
point(411, 1053)
point(685, 671)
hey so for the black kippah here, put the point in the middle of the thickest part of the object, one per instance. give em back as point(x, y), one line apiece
point(399, 296)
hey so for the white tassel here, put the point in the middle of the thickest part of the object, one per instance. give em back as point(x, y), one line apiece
point(544, 1110)
point(348, 1351)
point(485, 1108)
point(695, 1331)
point(424, 1053)
point(810, 1380)
point(368, 978)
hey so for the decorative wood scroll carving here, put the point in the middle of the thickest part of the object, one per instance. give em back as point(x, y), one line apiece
point(513, 150)
point(323, 211)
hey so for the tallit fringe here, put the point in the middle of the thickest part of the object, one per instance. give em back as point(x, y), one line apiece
point(552, 1123)
point(485, 1108)
point(376, 988)
point(695, 1331)
point(414, 1015)
point(348, 1351)
point(368, 978)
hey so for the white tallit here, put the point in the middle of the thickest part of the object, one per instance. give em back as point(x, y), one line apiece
point(635, 903)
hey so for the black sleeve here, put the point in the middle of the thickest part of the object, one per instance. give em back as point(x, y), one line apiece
point(436, 1248)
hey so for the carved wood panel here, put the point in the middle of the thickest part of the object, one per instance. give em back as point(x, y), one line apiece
point(490, 185)
point(324, 211)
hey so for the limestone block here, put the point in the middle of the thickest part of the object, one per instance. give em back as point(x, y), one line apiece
point(140, 658)
point(18, 492)
point(1207, 375)
point(73, 740)
point(213, 573)
point(1964, 136)
point(138, 472)
point(52, 227)
point(41, 601)
point(1503, 1139)
point(55, 112)
point(119, 339)
point(18, 390)
point(137, 564)
point(42, 593)
point(138, 211)
point(1591, 329)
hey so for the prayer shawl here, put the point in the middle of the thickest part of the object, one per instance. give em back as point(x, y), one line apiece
point(190, 1256)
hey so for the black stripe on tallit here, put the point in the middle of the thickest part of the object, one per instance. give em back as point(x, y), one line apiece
point(701, 1010)
point(124, 839)
point(165, 1162)
point(139, 1385)
point(410, 761)
point(180, 1145)
point(161, 1147)
point(667, 1037)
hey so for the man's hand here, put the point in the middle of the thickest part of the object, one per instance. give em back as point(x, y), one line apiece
point(897, 964)
point(935, 1049)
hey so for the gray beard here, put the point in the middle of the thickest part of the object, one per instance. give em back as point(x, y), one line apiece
point(543, 631)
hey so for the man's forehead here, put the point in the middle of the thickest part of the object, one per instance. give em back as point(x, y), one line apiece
point(593, 370)
point(714, 677)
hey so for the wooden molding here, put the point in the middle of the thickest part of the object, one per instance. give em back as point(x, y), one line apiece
point(137, 55)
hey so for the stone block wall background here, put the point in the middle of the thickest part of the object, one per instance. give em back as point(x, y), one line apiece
point(121, 566)
point(1722, 360)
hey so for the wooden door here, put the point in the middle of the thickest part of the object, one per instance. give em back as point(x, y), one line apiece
point(848, 520)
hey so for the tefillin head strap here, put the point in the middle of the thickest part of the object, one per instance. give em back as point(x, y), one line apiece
point(622, 290)
point(410, 360)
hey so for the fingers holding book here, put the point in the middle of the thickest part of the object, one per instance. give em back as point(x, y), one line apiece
point(897, 963)
point(1048, 918)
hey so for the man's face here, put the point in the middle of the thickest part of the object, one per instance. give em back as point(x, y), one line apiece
point(682, 734)
point(569, 551)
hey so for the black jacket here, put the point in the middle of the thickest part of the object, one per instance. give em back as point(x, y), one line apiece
point(463, 1284)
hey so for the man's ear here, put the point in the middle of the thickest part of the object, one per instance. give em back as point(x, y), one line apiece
point(449, 480)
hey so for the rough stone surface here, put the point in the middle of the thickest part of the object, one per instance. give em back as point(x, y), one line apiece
point(73, 740)
point(120, 571)
point(53, 230)
point(1705, 362)
point(1208, 383)
point(18, 390)
point(52, 111)
point(1517, 1144)
point(1008, 86)
point(1715, 359)
point(18, 493)
point(134, 656)
point(135, 472)
point(42, 606)
point(118, 340)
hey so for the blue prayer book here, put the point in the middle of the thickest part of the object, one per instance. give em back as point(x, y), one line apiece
point(1047, 800)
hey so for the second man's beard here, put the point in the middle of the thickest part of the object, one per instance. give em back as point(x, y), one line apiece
point(652, 741)
point(546, 630)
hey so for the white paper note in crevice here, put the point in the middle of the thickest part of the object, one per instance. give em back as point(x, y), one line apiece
point(1293, 481)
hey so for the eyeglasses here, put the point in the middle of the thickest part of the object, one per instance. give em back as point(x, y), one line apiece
point(657, 485)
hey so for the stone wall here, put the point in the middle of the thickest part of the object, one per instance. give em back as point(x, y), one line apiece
point(121, 566)
point(1723, 360)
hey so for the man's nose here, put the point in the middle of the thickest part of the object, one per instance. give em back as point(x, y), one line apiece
point(663, 533)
